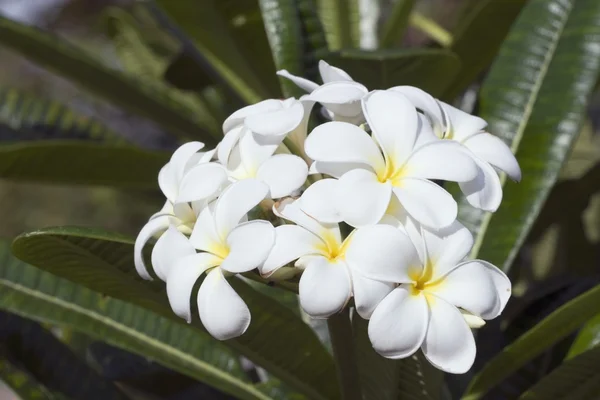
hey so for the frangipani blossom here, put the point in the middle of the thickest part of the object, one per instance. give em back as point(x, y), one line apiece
point(426, 309)
point(391, 162)
point(188, 181)
point(334, 268)
point(339, 94)
point(228, 245)
point(488, 151)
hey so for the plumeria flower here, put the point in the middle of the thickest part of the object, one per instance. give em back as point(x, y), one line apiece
point(339, 94)
point(228, 244)
point(334, 268)
point(245, 157)
point(488, 151)
point(188, 181)
point(390, 163)
point(439, 296)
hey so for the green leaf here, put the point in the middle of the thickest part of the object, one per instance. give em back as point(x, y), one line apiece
point(385, 379)
point(75, 64)
point(535, 99)
point(24, 385)
point(73, 162)
point(341, 20)
point(576, 379)
point(549, 331)
point(397, 23)
point(40, 295)
point(431, 70)
point(276, 339)
point(478, 37)
point(587, 338)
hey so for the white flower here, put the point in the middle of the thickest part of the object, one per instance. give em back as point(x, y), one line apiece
point(488, 151)
point(426, 310)
point(228, 245)
point(339, 94)
point(391, 162)
point(188, 181)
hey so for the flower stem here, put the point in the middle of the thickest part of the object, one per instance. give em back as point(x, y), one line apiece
point(431, 28)
point(342, 340)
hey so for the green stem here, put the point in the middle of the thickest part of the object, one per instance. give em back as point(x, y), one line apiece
point(342, 341)
point(431, 29)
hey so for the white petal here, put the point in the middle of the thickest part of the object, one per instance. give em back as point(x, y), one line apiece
point(398, 217)
point(368, 293)
point(204, 236)
point(493, 150)
point(330, 73)
point(461, 124)
point(470, 287)
point(399, 324)
point(167, 182)
point(222, 311)
point(202, 182)
point(325, 288)
point(336, 169)
point(341, 97)
point(302, 83)
point(235, 202)
point(254, 153)
point(362, 199)
point(171, 246)
point(426, 103)
point(485, 191)
point(381, 252)
point(227, 144)
point(181, 280)
point(291, 242)
point(154, 226)
point(320, 201)
point(238, 117)
point(343, 142)
point(394, 122)
point(249, 245)
point(290, 210)
point(283, 173)
point(298, 135)
point(426, 133)
point(182, 155)
point(501, 282)
point(473, 321)
point(444, 160)
point(449, 344)
point(446, 247)
point(426, 202)
point(277, 122)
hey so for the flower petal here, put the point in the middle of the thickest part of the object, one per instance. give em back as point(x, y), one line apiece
point(291, 242)
point(442, 159)
point(342, 142)
point(362, 199)
point(320, 201)
point(152, 227)
point(171, 174)
point(171, 246)
point(249, 245)
point(381, 252)
point(426, 202)
point(278, 122)
point(235, 202)
point(325, 288)
point(283, 173)
point(398, 325)
point(461, 125)
point(368, 293)
point(330, 73)
point(167, 182)
point(426, 133)
point(202, 182)
point(394, 122)
point(302, 83)
point(493, 150)
point(446, 247)
point(501, 282)
point(426, 103)
point(449, 344)
point(254, 153)
point(485, 191)
point(238, 117)
point(181, 280)
point(290, 210)
point(336, 169)
point(342, 98)
point(222, 311)
point(226, 145)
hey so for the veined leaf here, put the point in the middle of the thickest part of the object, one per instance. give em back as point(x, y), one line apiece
point(429, 69)
point(478, 37)
point(549, 331)
point(40, 295)
point(276, 339)
point(576, 379)
point(24, 385)
point(396, 25)
point(73, 162)
point(588, 337)
point(535, 98)
point(341, 20)
point(74, 64)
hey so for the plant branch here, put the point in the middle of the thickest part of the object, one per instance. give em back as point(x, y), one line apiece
point(342, 340)
point(431, 29)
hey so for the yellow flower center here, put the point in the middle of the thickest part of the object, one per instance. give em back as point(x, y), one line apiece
point(219, 249)
point(331, 246)
point(422, 280)
point(391, 172)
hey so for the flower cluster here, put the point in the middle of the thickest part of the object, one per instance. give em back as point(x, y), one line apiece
point(376, 169)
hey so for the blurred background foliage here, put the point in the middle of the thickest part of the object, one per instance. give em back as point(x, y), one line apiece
point(558, 261)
